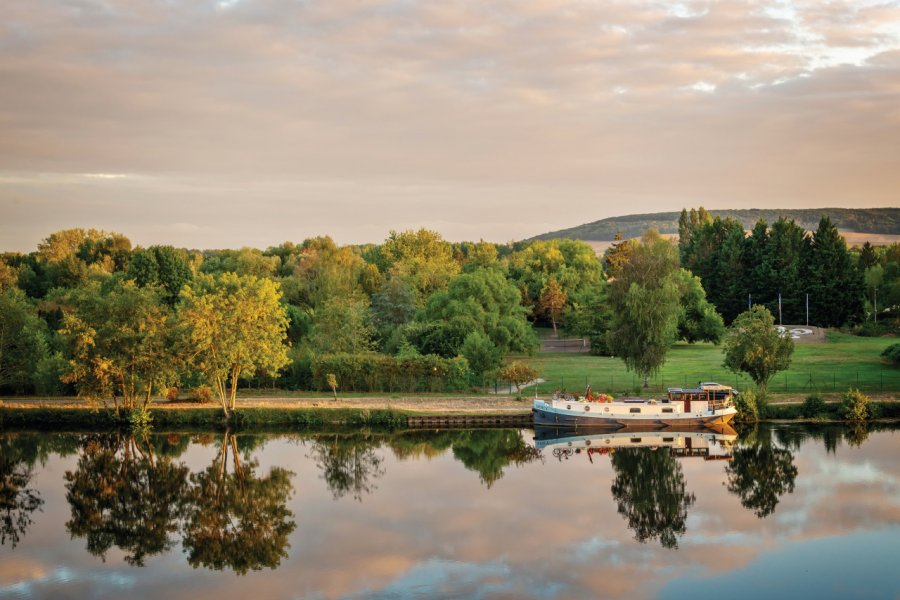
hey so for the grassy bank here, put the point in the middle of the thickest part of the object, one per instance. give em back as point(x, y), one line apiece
point(203, 418)
point(843, 362)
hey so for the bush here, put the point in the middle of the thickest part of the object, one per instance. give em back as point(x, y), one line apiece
point(201, 394)
point(518, 374)
point(140, 419)
point(172, 394)
point(382, 373)
point(747, 407)
point(891, 354)
point(855, 406)
point(813, 407)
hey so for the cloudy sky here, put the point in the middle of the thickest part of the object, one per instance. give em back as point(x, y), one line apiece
point(249, 122)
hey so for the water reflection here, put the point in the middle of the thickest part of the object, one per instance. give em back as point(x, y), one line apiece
point(443, 513)
point(17, 499)
point(124, 493)
point(760, 473)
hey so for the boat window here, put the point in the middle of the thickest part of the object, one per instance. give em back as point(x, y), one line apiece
point(665, 439)
point(667, 410)
point(635, 410)
point(635, 440)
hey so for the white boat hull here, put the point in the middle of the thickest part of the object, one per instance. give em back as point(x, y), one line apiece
point(616, 415)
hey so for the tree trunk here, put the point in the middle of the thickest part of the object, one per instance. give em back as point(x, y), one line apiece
point(646, 379)
point(553, 322)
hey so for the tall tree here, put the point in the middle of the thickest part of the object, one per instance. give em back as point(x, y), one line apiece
point(161, 265)
point(753, 346)
point(342, 325)
point(22, 341)
point(645, 302)
point(236, 326)
point(423, 257)
point(787, 252)
point(698, 320)
point(835, 285)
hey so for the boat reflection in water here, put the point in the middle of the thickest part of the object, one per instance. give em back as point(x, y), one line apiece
point(710, 444)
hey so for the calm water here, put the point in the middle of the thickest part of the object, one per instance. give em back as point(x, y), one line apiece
point(783, 512)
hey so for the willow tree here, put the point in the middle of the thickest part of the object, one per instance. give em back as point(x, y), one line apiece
point(235, 326)
point(645, 302)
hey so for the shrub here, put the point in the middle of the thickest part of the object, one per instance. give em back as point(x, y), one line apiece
point(140, 419)
point(172, 394)
point(201, 394)
point(855, 406)
point(518, 374)
point(747, 407)
point(813, 407)
point(891, 354)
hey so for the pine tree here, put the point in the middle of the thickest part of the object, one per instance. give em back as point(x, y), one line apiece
point(835, 285)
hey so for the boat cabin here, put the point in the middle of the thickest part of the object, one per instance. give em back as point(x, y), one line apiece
point(708, 396)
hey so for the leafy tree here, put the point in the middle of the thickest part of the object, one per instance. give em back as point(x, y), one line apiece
point(422, 257)
point(482, 354)
point(332, 383)
point(836, 285)
point(891, 354)
point(617, 255)
point(394, 305)
point(552, 301)
point(341, 325)
point(246, 261)
point(483, 301)
point(753, 346)
point(120, 340)
point(235, 326)
point(573, 264)
point(759, 474)
point(698, 321)
point(319, 270)
point(644, 298)
point(518, 374)
point(238, 519)
point(715, 254)
point(161, 265)
point(650, 492)
point(66, 258)
point(121, 495)
point(589, 316)
point(22, 341)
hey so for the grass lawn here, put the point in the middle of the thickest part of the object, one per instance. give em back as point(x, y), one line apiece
point(843, 361)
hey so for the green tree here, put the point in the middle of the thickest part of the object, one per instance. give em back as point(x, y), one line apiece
point(835, 284)
point(589, 316)
point(164, 266)
point(645, 302)
point(342, 325)
point(483, 300)
point(867, 256)
point(753, 346)
point(572, 263)
point(235, 326)
point(120, 341)
point(23, 341)
point(650, 492)
point(482, 354)
point(855, 406)
point(422, 257)
point(698, 321)
point(393, 305)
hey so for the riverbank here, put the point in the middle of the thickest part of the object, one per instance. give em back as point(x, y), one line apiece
point(56, 414)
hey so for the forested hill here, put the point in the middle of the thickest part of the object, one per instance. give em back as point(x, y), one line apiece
point(868, 220)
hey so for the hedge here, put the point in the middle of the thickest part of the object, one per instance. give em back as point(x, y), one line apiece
point(383, 373)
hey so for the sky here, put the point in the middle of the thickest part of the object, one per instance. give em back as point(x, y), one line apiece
point(229, 123)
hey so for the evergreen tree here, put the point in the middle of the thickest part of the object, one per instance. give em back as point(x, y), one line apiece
point(867, 256)
point(786, 250)
point(835, 285)
point(758, 265)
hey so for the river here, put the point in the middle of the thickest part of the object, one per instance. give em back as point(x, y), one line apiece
point(783, 511)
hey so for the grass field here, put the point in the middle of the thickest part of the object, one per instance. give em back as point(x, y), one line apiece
point(842, 362)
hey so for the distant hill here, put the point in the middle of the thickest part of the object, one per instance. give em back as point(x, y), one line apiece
point(885, 221)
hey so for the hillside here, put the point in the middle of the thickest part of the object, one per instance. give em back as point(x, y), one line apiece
point(884, 221)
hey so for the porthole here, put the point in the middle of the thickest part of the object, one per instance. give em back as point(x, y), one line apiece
point(568, 407)
point(587, 409)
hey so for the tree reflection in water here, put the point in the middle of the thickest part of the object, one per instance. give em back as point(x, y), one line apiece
point(238, 520)
point(349, 464)
point(760, 473)
point(650, 491)
point(489, 451)
point(123, 494)
point(17, 500)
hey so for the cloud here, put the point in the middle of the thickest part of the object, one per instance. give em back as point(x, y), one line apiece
point(587, 107)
